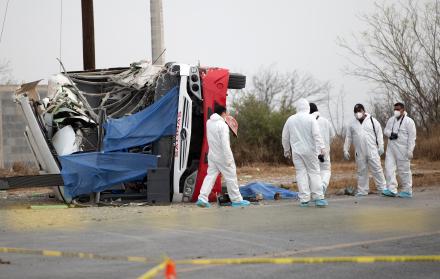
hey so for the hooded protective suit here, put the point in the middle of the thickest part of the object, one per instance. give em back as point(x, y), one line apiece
point(327, 133)
point(363, 137)
point(301, 135)
point(400, 152)
point(220, 159)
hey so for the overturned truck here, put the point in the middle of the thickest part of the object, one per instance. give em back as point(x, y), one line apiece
point(125, 133)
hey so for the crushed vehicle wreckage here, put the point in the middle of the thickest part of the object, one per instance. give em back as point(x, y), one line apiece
point(125, 133)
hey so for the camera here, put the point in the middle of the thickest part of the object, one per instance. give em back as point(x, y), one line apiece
point(393, 136)
point(321, 158)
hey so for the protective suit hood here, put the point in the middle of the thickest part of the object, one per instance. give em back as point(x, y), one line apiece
point(302, 105)
point(216, 117)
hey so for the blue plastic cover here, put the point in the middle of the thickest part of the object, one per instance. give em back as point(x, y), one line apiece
point(267, 190)
point(85, 173)
point(144, 127)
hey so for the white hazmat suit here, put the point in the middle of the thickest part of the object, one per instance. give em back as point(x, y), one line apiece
point(327, 133)
point(301, 135)
point(220, 159)
point(400, 152)
point(368, 143)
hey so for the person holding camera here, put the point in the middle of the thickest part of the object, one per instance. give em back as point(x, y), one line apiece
point(365, 133)
point(401, 133)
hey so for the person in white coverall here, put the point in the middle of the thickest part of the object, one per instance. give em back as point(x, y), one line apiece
point(327, 133)
point(302, 141)
point(401, 133)
point(366, 135)
point(220, 160)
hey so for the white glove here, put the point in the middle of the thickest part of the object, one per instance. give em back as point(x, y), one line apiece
point(346, 155)
point(287, 154)
point(410, 154)
point(381, 151)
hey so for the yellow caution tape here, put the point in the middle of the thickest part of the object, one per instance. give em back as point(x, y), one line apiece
point(291, 260)
point(312, 260)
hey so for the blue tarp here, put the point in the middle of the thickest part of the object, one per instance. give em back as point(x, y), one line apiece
point(85, 173)
point(144, 127)
point(267, 190)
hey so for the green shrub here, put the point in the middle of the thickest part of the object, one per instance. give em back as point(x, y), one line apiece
point(260, 128)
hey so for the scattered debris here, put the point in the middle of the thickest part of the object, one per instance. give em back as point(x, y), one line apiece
point(4, 262)
point(259, 196)
point(350, 191)
point(49, 206)
point(224, 200)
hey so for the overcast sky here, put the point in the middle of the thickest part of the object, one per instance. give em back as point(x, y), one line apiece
point(242, 35)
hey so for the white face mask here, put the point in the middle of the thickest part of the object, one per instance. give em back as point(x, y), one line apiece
point(358, 115)
point(397, 113)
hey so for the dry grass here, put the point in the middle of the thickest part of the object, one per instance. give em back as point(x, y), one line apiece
point(425, 174)
point(19, 168)
point(427, 147)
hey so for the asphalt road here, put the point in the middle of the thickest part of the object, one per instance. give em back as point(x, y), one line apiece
point(348, 227)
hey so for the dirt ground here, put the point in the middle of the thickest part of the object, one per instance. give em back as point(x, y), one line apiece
point(425, 174)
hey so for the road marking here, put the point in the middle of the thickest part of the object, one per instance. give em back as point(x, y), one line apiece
point(226, 261)
point(353, 244)
point(330, 247)
point(154, 271)
point(80, 255)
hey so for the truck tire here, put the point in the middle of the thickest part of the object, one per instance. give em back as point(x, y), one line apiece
point(236, 81)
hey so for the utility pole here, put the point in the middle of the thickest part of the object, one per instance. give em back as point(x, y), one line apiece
point(88, 30)
point(157, 41)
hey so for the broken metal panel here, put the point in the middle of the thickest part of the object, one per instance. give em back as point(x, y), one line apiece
point(183, 133)
point(39, 145)
point(139, 75)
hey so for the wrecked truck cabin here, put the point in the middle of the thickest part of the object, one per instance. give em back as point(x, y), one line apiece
point(134, 133)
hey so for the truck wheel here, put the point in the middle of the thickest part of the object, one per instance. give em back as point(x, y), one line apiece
point(236, 81)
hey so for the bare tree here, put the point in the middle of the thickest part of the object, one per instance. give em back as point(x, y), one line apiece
point(399, 52)
point(382, 109)
point(282, 90)
point(5, 73)
point(336, 108)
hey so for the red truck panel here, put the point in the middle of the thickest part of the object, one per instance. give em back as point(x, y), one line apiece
point(214, 89)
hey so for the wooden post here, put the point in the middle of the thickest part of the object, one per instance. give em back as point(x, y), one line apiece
point(88, 30)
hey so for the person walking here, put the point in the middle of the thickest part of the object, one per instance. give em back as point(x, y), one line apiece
point(220, 160)
point(303, 143)
point(327, 133)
